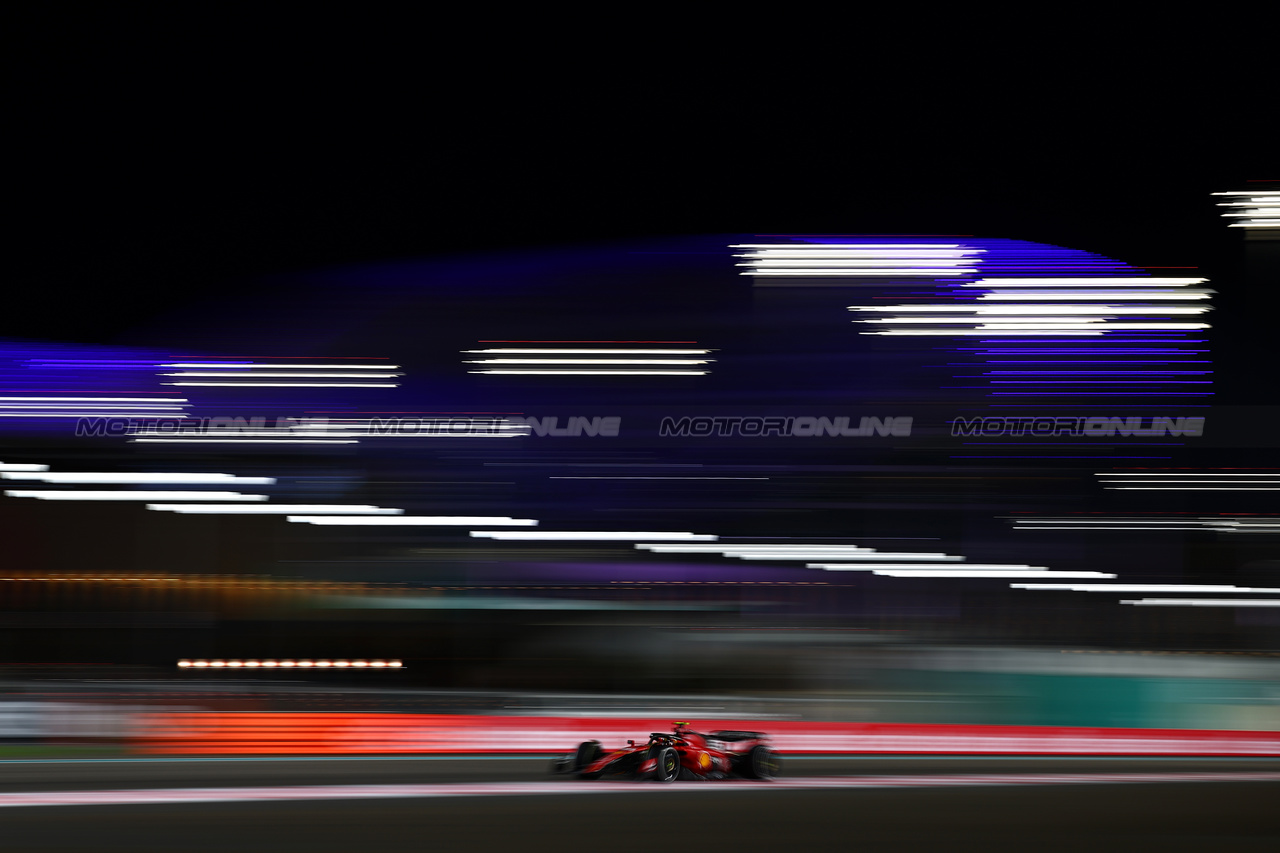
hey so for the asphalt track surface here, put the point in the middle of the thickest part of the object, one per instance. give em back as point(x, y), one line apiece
point(874, 803)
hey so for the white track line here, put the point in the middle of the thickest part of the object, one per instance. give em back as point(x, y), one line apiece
point(158, 796)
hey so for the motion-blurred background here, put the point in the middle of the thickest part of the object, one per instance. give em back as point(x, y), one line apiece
point(392, 393)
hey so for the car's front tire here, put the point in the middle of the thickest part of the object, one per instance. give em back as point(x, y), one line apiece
point(588, 753)
point(668, 767)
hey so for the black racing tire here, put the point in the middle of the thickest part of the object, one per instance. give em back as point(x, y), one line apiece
point(586, 755)
point(667, 769)
point(761, 763)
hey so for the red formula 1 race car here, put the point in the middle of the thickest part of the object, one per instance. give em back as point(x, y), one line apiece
point(682, 754)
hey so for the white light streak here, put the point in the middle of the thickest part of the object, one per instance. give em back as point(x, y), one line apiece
point(1020, 322)
point(1108, 326)
point(720, 549)
point(1210, 521)
point(896, 272)
point(413, 520)
point(1064, 295)
point(838, 555)
point(657, 478)
point(850, 261)
point(307, 433)
point(1203, 602)
point(283, 375)
point(1211, 525)
point(22, 466)
point(293, 384)
point(163, 400)
point(1001, 573)
point(988, 283)
point(187, 479)
point(1027, 527)
point(1192, 488)
point(1140, 587)
point(800, 247)
point(1237, 482)
point(164, 407)
point(991, 333)
point(968, 567)
point(592, 535)
point(248, 366)
point(140, 413)
point(88, 495)
point(517, 371)
point(975, 308)
point(522, 351)
point(277, 509)
point(810, 554)
point(587, 361)
point(250, 440)
point(332, 431)
point(1044, 323)
point(761, 546)
point(310, 427)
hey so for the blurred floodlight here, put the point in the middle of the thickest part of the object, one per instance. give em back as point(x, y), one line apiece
point(988, 310)
point(1203, 602)
point(1141, 587)
point(1128, 281)
point(718, 549)
point(156, 477)
point(592, 535)
point(277, 509)
point(140, 400)
point(968, 567)
point(1062, 295)
point(413, 520)
point(247, 366)
point(809, 272)
point(122, 495)
point(1261, 210)
point(997, 573)
point(588, 361)
point(292, 384)
point(573, 372)
point(218, 373)
point(519, 351)
point(814, 554)
point(181, 438)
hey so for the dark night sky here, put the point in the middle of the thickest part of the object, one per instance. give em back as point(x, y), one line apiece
point(155, 158)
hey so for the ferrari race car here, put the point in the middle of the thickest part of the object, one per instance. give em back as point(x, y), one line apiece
point(682, 754)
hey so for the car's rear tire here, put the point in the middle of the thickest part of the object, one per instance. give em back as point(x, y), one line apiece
point(668, 767)
point(761, 763)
